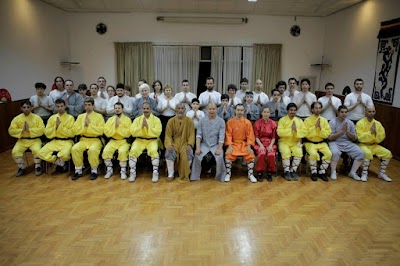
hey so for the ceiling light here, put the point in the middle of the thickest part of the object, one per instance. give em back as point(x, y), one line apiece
point(204, 20)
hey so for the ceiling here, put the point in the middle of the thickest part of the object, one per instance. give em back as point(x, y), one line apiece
point(314, 8)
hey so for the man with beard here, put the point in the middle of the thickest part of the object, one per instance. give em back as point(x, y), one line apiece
point(120, 98)
point(210, 95)
point(357, 102)
point(185, 96)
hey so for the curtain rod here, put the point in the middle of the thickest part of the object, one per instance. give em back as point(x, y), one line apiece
point(214, 45)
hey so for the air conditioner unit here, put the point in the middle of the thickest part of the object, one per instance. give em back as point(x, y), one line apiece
point(203, 20)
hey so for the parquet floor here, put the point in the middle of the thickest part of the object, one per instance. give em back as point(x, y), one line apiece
point(51, 220)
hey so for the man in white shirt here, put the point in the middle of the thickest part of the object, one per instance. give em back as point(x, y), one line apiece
point(185, 96)
point(210, 95)
point(259, 97)
point(357, 101)
point(330, 103)
point(292, 91)
point(122, 98)
point(244, 87)
point(42, 105)
point(100, 104)
point(102, 92)
point(304, 99)
point(281, 86)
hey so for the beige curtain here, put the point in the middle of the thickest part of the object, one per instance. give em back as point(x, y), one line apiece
point(267, 65)
point(134, 62)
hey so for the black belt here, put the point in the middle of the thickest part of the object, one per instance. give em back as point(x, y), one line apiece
point(63, 138)
point(146, 138)
point(30, 138)
point(117, 139)
point(313, 142)
point(98, 137)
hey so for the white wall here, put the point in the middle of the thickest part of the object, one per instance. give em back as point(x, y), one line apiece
point(97, 55)
point(351, 43)
point(34, 41)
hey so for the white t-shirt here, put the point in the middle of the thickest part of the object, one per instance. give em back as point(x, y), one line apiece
point(56, 94)
point(236, 101)
point(241, 95)
point(263, 97)
point(162, 103)
point(291, 98)
point(215, 97)
point(303, 110)
point(181, 96)
point(104, 93)
point(100, 103)
point(329, 113)
point(125, 100)
point(286, 100)
point(46, 101)
point(359, 111)
point(200, 115)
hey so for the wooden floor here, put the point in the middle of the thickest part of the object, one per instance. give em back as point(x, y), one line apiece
point(52, 220)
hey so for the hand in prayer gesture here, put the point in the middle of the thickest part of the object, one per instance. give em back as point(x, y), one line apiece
point(26, 127)
point(248, 109)
point(373, 128)
point(117, 122)
point(66, 101)
point(209, 99)
point(195, 115)
point(318, 124)
point(87, 121)
point(359, 99)
point(185, 98)
point(155, 97)
point(168, 106)
point(276, 105)
point(330, 101)
point(144, 123)
point(39, 102)
point(58, 122)
point(258, 100)
point(345, 128)
point(231, 101)
point(119, 100)
point(294, 128)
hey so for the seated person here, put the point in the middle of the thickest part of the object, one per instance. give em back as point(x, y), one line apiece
point(341, 140)
point(90, 127)
point(239, 137)
point(60, 131)
point(210, 137)
point(291, 130)
point(370, 133)
point(27, 128)
point(137, 109)
point(225, 111)
point(265, 133)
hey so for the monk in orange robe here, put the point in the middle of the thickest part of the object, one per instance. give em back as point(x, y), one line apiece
point(239, 137)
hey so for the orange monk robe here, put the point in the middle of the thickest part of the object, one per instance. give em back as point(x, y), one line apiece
point(180, 133)
point(239, 134)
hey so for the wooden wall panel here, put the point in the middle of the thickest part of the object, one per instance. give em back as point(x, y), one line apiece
point(7, 112)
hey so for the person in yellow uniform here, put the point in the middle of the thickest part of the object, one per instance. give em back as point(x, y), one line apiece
point(291, 130)
point(370, 133)
point(59, 130)
point(89, 126)
point(318, 132)
point(117, 129)
point(27, 128)
point(147, 129)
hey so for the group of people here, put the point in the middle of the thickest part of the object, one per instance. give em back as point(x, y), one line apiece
point(189, 132)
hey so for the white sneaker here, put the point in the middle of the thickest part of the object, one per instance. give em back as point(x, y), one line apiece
point(354, 176)
point(227, 178)
point(108, 175)
point(123, 175)
point(132, 177)
point(333, 175)
point(384, 177)
point(364, 177)
point(154, 179)
point(252, 179)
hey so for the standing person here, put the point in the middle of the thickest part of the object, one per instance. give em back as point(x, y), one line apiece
point(185, 96)
point(102, 92)
point(158, 92)
point(60, 90)
point(341, 140)
point(195, 114)
point(137, 109)
point(100, 104)
point(259, 97)
point(139, 94)
point(210, 95)
point(329, 102)
point(224, 110)
point(166, 107)
point(292, 90)
point(233, 100)
point(179, 143)
point(111, 91)
point(90, 127)
point(265, 134)
point(73, 100)
point(252, 111)
point(60, 131)
point(304, 99)
point(27, 128)
point(244, 87)
point(370, 133)
point(117, 129)
point(42, 105)
point(291, 130)
point(210, 138)
point(357, 102)
point(82, 90)
point(239, 137)
point(276, 106)
point(120, 97)
point(315, 143)
point(146, 128)
point(281, 87)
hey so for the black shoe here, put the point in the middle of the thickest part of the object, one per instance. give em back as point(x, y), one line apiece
point(93, 176)
point(314, 177)
point(58, 169)
point(303, 160)
point(294, 176)
point(260, 177)
point(269, 177)
point(64, 169)
point(76, 176)
point(323, 177)
point(287, 176)
point(20, 172)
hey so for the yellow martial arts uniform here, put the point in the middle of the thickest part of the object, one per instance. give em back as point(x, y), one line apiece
point(290, 141)
point(26, 139)
point(369, 142)
point(146, 138)
point(61, 138)
point(317, 137)
point(118, 137)
point(90, 139)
